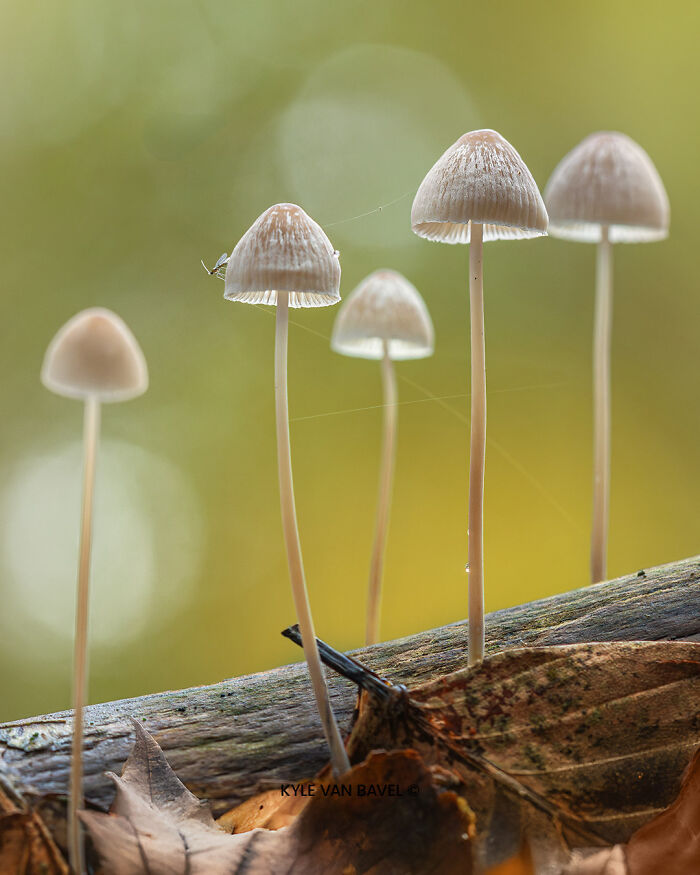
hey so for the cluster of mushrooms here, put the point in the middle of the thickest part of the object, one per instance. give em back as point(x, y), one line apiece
point(606, 190)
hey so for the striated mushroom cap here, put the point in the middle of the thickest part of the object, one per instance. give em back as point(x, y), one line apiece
point(384, 307)
point(284, 250)
point(481, 178)
point(607, 179)
point(95, 355)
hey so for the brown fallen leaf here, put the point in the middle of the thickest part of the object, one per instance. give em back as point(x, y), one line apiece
point(157, 826)
point(583, 743)
point(268, 810)
point(668, 844)
point(26, 846)
point(579, 743)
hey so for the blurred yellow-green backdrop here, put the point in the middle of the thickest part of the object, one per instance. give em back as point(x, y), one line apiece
point(138, 138)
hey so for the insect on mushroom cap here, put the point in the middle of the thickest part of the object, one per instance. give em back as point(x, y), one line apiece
point(95, 355)
point(480, 178)
point(607, 179)
point(384, 308)
point(284, 250)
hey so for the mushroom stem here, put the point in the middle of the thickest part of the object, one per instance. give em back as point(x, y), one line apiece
point(477, 453)
point(601, 409)
point(339, 758)
point(91, 430)
point(386, 477)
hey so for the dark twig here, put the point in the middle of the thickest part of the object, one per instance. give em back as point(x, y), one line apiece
point(348, 667)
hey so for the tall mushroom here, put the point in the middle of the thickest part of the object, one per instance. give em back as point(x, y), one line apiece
point(384, 319)
point(96, 359)
point(479, 189)
point(605, 191)
point(285, 259)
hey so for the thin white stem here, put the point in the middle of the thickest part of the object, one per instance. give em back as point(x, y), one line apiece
point(601, 409)
point(91, 431)
point(386, 477)
point(477, 453)
point(339, 758)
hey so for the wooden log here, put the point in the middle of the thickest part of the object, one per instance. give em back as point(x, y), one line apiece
point(228, 740)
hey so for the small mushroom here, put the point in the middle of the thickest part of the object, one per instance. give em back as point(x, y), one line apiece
point(605, 191)
point(479, 189)
point(285, 259)
point(94, 358)
point(384, 319)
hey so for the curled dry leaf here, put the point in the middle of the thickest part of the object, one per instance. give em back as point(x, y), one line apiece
point(670, 843)
point(26, 845)
point(583, 743)
point(268, 810)
point(562, 745)
point(157, 826)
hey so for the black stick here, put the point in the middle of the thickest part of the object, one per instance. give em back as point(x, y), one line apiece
point(349, 668)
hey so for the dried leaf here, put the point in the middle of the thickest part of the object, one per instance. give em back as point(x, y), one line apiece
point(268, 810)
point(26, 846)
point(158, 826)
point(590, 740)
point(423, 829)
point(670, 843)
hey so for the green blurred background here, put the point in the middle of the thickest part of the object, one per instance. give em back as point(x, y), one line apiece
point(138, 138)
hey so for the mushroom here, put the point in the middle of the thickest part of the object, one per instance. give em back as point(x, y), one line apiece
point(285, 259)
point(96, 359)
point(605, 191)
point(384, 319)
point(479, 189)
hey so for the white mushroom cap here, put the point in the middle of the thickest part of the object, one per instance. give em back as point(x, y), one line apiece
point(385, 307)
point(481, 178)
point(607, 179)
point(284, 250)
point(95, 355)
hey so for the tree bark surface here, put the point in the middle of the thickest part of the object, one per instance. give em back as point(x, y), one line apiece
point(228, 740)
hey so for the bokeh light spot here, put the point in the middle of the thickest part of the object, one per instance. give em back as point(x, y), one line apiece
point(362, 132)
point(143, 562)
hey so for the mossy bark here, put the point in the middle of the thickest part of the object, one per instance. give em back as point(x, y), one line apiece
point(230, 739)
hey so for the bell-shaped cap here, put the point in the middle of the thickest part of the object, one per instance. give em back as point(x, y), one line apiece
point(607, 179)
point(384, 309)
point(284, 250)
point(95, 355)
point(481, 178)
